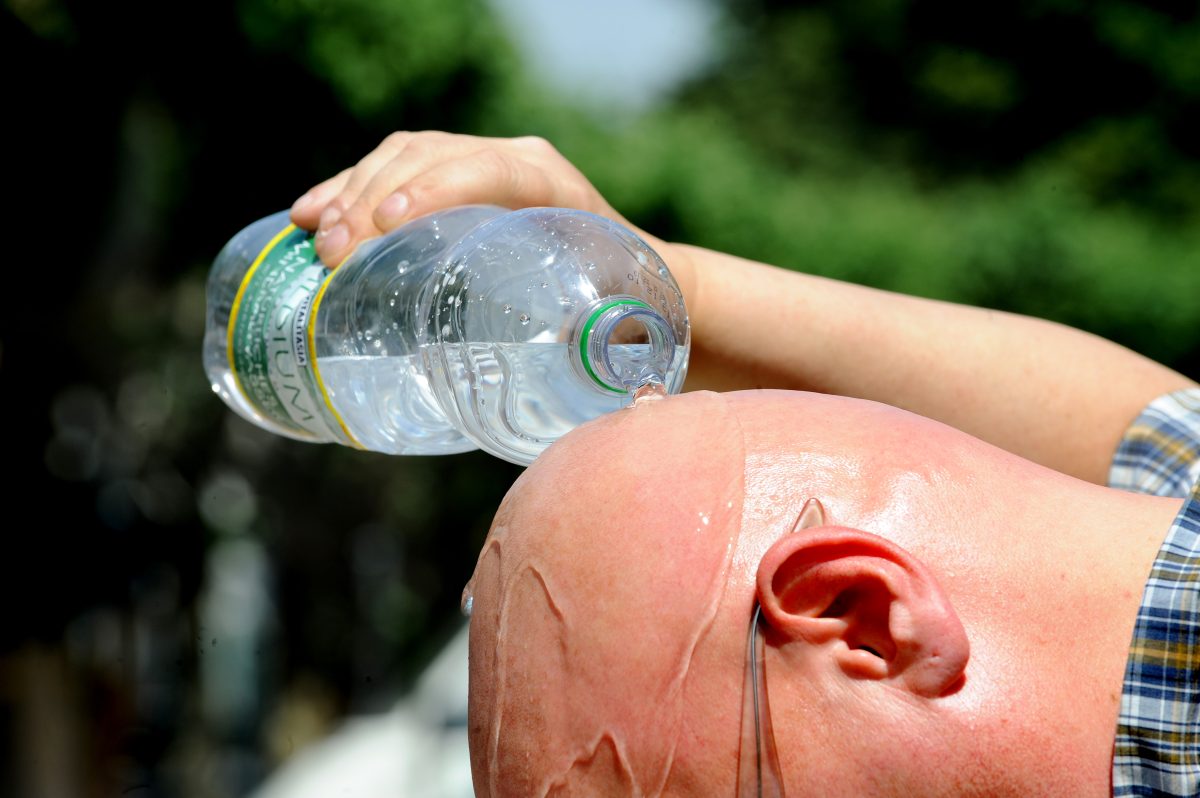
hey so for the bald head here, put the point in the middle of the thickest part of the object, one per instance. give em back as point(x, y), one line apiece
point(613, 549)
point(612, 597)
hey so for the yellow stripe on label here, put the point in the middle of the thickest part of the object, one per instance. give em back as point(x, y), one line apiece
point(313, 361)
point(237, 304)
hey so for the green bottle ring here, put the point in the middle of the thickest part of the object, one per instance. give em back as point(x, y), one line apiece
point(586, 335)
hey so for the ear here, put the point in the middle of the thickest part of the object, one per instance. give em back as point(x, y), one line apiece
point(872, 604)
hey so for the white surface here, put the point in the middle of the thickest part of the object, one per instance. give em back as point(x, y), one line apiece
point(418, 750)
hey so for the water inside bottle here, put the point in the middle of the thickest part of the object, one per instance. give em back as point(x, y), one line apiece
point(388, 405)
point(527, 395)
point(524, 395)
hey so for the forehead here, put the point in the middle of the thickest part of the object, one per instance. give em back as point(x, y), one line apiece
point(604, 571)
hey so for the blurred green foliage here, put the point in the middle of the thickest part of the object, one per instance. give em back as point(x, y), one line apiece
point(382, 58)
point(1035, 155)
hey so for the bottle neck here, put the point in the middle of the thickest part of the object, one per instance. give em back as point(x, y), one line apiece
point(621, 344)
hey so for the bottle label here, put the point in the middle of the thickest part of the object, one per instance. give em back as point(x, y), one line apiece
point(269, 346)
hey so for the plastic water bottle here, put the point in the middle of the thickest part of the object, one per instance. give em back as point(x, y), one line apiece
point(470, 327)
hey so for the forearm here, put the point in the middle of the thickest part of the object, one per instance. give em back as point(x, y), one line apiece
point(1053, 394)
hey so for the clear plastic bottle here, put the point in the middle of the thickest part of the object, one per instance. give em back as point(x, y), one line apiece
point(469, 327)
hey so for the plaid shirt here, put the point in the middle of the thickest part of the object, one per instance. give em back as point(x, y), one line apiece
point(1157, 749)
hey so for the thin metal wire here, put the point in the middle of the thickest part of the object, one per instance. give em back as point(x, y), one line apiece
point(759, 774)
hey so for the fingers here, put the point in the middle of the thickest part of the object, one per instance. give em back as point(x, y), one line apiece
point(320, 208)
point(306, 211)
point(334, 235)
point(492, 177)
point(347, 218)
point(376, 206)
point(489, 176)
point(412, 174)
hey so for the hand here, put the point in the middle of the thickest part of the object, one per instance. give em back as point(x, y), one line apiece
point(412, 174)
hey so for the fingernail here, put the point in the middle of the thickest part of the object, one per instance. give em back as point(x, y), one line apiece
point(392, 209)
point(303, 202)
point(335, 240)
point(329, 218)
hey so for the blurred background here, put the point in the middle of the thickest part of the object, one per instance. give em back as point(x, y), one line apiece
point(188, 601)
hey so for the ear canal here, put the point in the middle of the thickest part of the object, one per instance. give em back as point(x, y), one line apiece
point(811, 515)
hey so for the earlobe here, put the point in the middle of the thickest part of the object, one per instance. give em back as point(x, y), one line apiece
point(868, 604)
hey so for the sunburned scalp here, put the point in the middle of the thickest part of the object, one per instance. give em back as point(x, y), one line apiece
point(588, 673)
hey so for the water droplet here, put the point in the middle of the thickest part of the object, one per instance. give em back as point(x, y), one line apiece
point(541, 324)
point(457, 300)
point(468, 602)
point(391, 303)
point(507, 309)
point(591, 267)
point(545, 284)
point(642, 259)
point(402, 266)
point(524, 318)
point(650, 391)
point(378, 343)
point(445, 329)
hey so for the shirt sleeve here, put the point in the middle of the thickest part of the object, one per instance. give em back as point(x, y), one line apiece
point(1160, 453)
